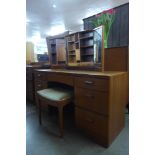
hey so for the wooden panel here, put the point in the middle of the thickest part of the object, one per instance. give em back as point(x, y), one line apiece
point(94, 125)
point(61, 52)
point(77, 52)
point(61, 78)
point(96, 101)
point(60, 41)
point(92, 83)
point(56, 50)
point(30, 85)
point(116, 103)
point(116, 59)
point(38, 85)
point(29, 73)
point(39, 76)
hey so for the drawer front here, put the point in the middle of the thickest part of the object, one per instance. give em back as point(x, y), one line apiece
point(28, 69)
point(96, 101)
point(40, 85)
point(31, 96)
point(39, 75)
point(29, 73)
point(93, 124)
point(61, 78)
point(30, 85)
point(29, 76)
point(92, 83)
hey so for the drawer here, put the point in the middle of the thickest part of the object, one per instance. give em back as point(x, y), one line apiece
point(66, 79)
point(29, 77)
point(93, 124)
point(28, 70)
point(39, 75)
point(40, 85)
point(92, 83)
point(96, 101)
point(31, 96)
point(30, 85)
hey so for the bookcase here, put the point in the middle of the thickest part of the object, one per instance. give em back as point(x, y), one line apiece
point(85, 48)
point(72, 46)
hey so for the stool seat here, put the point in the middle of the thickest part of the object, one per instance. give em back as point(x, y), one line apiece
point(56, 94)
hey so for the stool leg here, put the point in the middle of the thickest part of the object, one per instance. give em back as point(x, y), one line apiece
point(40, 122)
point(61, 120)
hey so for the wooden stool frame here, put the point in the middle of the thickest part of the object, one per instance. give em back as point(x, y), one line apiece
point(59, 104)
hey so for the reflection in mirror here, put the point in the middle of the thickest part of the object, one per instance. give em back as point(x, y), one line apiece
point(98, 34)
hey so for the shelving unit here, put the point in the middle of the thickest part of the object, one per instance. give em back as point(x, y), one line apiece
point(87, 46)
point(56, 50)
point(80, 48)
point(72, 42)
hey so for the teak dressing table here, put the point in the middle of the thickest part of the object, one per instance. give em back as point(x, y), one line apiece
point(99, 99)
point(99, 96)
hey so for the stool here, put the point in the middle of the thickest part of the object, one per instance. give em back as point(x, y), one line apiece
point(57, 97)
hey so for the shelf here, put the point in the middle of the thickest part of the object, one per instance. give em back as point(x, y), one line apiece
point(86, 37)
point(91, 54)
point(72, 54)
point(61, 62)
point(70, 41)
point(86, 46)
point(71, 50)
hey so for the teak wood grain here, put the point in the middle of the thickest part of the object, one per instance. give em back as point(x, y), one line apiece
point(100, 98)
point(96, 101)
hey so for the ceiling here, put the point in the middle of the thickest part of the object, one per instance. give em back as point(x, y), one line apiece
point(50, 17)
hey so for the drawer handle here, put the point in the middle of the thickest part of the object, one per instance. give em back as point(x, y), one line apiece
point(89, 120)
point(38, 75)
point(90, 96)
point(88, 82)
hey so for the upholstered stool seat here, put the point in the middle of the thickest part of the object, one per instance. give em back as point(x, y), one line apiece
point(55, 94)
point(57, 97)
